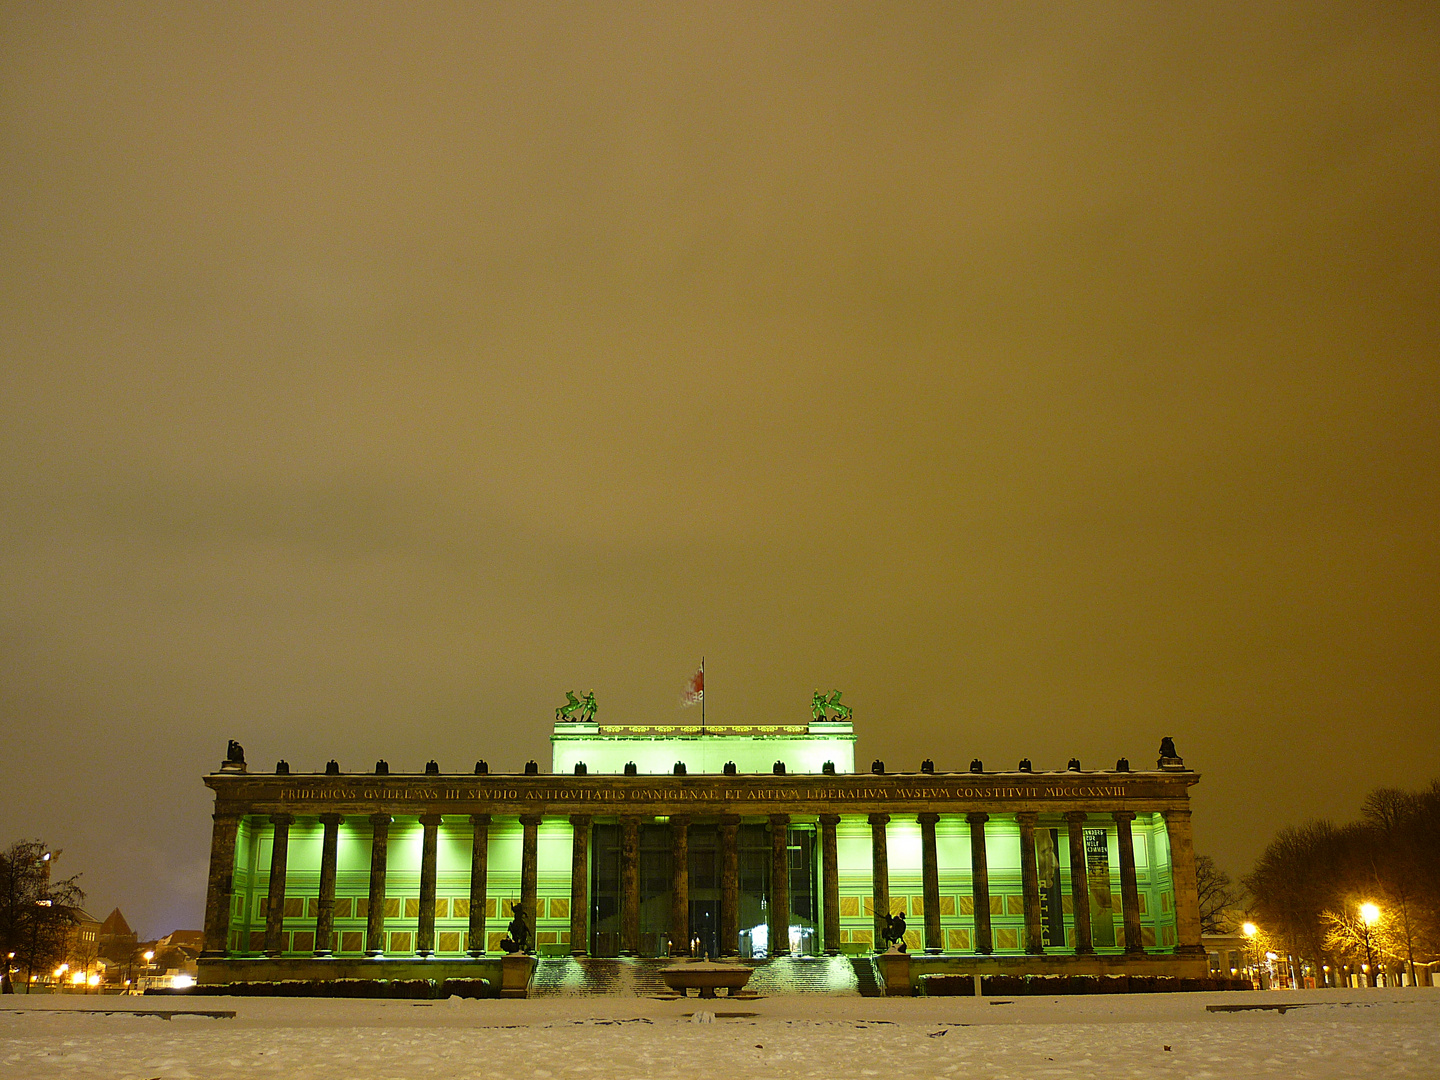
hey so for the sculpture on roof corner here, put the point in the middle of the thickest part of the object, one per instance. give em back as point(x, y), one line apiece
point(585, 706)
point(820, 705)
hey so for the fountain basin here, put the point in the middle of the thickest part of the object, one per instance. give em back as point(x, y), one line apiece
point(706, 977)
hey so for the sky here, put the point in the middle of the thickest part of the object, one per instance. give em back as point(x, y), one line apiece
point(1048, 378)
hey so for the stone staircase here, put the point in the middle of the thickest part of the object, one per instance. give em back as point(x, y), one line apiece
point(804, 975)
point(614, 976)
point(866, 977)
point(628, 976)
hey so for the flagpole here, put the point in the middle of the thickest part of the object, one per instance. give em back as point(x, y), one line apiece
point(702, 693)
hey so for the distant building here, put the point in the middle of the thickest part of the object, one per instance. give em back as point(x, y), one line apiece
point(82, 946)
point(117, 941)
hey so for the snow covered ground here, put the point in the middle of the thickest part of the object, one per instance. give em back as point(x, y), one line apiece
point(1337, 1033)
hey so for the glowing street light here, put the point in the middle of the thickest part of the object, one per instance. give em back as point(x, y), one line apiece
point(1249, 929)
point(1369, 915)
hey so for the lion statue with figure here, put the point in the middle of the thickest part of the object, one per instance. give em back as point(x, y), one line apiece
point(820, 706)
point(585, 706)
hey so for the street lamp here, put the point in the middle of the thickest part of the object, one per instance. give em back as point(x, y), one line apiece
point(1250, 930)
point(1369, 915)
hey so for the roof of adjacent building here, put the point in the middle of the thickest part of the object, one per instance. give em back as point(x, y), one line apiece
point(116, 925)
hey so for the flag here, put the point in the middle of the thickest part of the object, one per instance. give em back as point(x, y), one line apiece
point(694, 687)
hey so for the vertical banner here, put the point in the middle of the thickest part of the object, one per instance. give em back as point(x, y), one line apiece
point(1097, 868)
point(1052, 906)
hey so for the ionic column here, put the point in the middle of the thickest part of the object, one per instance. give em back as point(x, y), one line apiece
point(275, 909)
point(1079, 880)
point(679, 885)
point(879, 876)
point(529, 873)
point(1030, 883)
point(629, 886)
point(325, 910)
point(580, 885)
point(830, 882)
point(220, 885)
point(425, 935)
point(930, 881)
point(980, 882)
point(479, 868)
point(779, 885)
point(729, 886)
point(1182, 874)
point(379, 851)
point(1129, 885)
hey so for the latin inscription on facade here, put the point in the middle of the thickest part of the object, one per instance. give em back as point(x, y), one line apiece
point(557, 794)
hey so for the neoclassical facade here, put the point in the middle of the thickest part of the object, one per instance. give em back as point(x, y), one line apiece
point(751, 842)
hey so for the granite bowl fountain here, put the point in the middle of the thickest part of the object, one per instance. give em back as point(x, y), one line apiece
point(707, 976)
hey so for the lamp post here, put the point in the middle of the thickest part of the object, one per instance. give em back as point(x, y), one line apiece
point(1250, 930)
point(1369, 914)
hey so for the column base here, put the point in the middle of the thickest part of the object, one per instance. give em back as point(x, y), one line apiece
point(475, 954)
point(374, 954)
point(271, 954)
point(936, 951)
point(425, 953)
point(323, 954)
point(578, 953)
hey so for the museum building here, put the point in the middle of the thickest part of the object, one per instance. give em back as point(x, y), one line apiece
point(744, 841)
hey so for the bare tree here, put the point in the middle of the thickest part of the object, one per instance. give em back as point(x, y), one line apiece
point(36, 912)
point(1310, 881)
point(1218, 896)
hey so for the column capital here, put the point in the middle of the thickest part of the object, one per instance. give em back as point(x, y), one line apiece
point(1177, 814)
point(928, 819)
point(879, 819)
point(530, 819)
point(977, 817)
point(779, 819)
point(829, 819)
point(379, 820)
point(331, 819)
point(580, 821)
point(228, 815)
point(480, 821)
point(429, 819)
point(1027, 817)
point(282, 819)
point(1123, 815)
point(1075, 817)
point(681, 821)
point(729, 821)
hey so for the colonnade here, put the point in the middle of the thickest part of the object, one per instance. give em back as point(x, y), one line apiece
point(1177, 824)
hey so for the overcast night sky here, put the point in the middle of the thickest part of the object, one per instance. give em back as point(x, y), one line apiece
point(1048, 378)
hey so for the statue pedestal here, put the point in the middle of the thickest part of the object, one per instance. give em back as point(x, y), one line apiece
point(515, 970)
point(895, 969)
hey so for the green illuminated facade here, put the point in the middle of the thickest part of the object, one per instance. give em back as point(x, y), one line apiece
point(753, 842)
